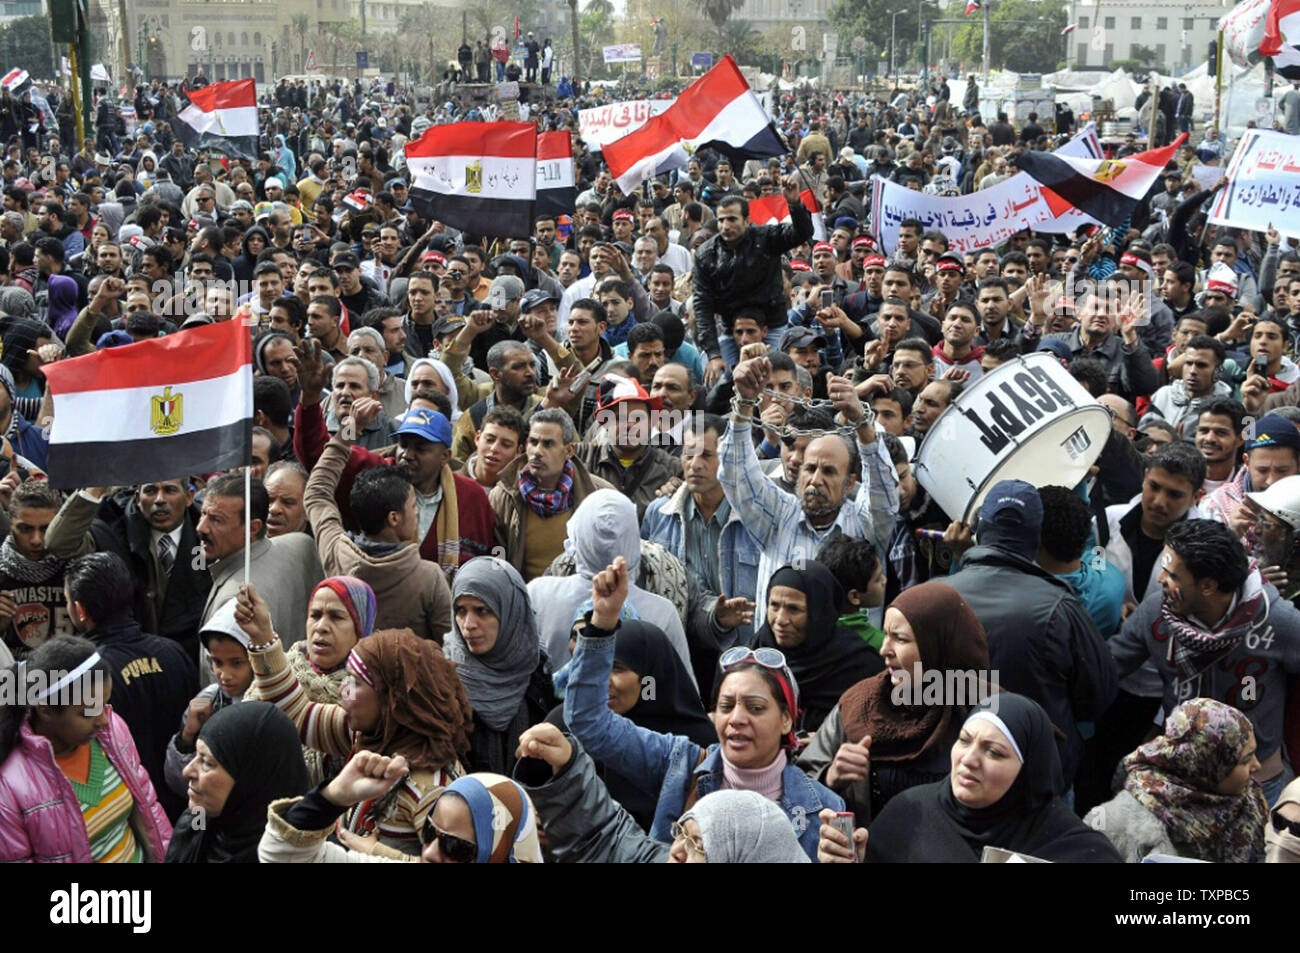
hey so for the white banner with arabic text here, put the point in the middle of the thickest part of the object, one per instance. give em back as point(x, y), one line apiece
point(1263, 184)
point(982, 219)
point(605, 124)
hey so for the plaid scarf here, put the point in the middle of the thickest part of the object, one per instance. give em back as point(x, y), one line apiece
point(547, 503)
point(1192, 650)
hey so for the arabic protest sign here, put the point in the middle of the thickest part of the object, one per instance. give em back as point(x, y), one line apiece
point(982, 219)
point(622, 53)
point(1263, 183)
point(605, 124)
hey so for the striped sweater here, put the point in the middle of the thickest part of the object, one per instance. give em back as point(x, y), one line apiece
point(396, 817)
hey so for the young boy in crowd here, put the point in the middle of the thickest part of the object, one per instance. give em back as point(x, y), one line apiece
point(858, 570)
point(232, 676)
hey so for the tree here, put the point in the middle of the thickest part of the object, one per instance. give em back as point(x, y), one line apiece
point(1023, 35)
point(301, 23)
point(25, 43)
point(597, 24)
point(718, 12)
point(871, 19)
point(741, 40)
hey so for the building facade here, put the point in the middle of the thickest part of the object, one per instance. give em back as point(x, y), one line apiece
point(1176, 34)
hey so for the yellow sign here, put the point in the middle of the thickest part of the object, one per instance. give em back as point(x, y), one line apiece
point(166, 417)
point(1109, 169)
point(474, 176)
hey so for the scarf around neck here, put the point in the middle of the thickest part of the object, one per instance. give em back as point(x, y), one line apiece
point(15, 564)
point(1193, 649)
point(547, 503)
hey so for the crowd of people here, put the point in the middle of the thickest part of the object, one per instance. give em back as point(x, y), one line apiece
point(604, 543)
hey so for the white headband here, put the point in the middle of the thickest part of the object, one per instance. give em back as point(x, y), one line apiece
point(70, 677)
point(1001, 726)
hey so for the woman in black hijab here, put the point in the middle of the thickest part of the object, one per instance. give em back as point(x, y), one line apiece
point(648, 685)
point(803, 610)
point(1004, 791)
point(255, 747)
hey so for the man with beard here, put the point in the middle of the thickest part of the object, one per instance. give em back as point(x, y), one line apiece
point(623, 455)
point(930, 403)
point(790, 527)
point(1219, 429)
point(993, 299)
point(32, 606)
point(539, 492)
point(153, 530)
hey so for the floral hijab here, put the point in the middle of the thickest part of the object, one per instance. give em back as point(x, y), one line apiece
point(1174, 777)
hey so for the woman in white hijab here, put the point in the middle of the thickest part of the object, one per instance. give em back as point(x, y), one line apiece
point(602, 528)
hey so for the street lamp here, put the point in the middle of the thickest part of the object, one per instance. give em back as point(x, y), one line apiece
point(893, 40)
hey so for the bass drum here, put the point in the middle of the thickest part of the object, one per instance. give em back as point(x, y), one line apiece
point(1027, 419)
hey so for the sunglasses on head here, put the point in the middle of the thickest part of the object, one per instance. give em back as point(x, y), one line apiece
point(458, 850)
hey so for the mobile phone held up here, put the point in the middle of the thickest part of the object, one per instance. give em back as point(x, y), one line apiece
point(828, 298)
point(843, 822)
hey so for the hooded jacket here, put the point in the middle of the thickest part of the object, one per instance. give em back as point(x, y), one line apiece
point(245, 262)
point(40, 816)
point(1174, 404)
point(603, 528)
point(1042, 642)
point(410, 592)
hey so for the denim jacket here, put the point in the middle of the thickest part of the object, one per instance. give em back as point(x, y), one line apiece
point(738, 551)
point(668, 762)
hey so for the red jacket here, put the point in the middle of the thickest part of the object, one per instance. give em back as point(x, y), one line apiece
point(40, 816)
point(477, 520)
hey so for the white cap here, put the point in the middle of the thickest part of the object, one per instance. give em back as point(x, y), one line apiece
point(1282, 500)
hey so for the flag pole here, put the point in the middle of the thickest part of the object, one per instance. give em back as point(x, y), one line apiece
point(248, 518)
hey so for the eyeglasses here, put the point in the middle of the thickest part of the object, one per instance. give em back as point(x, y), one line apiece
point(766, 657)
point(1281, 824)
point(694, 844)
point(458, 850)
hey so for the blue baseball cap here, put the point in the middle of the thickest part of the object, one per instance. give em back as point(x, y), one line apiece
point(429, 424)
point(1274, 430)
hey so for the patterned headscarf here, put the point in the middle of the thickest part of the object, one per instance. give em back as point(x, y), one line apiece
point(505, 821)
point(1174, 777)
point(357, 597)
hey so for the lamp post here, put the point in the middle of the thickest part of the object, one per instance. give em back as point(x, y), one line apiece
point(893, 41)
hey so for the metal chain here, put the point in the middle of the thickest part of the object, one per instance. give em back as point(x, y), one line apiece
point(812, 403)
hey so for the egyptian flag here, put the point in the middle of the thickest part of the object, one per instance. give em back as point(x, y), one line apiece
point(479, 177)
point(1282, 37)
point(556, 192)
point(166, 407)
point(1107, 189)
point(221, 117)
point(774, 210)
point(717, 111)
point(1069, 29)
point(973, 5)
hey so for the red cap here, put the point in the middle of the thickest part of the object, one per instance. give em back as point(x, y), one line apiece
point(798, 265)
point(864, 241)
point(623, 215)
point(948, 264)
point(432, 255)
point(874, 261)
point(824, 246)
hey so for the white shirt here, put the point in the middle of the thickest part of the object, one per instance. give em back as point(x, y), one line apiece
point(157, 534)
point(582, 288)
point(678, 259)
